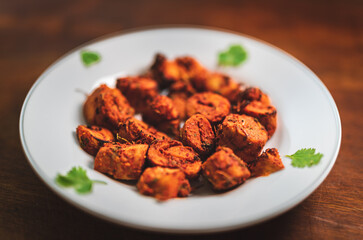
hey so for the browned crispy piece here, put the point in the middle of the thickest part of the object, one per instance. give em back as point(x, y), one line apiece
point(266, 114)
point(183, 87)
point(251, 94)
point(167, 72)
point(197, 133)
point(243, 134)
point(224, 170)
point(179, 93)
point(173, 154)
point(180, 103)
point(137, 131)
point(213, 106)
point(217, 83)
point(189, 67)
point(268, 162)
point(124, 162)
point(106, 107)
point(163, 183)
point(93, 137)
point(138, 90)
point(162, 114)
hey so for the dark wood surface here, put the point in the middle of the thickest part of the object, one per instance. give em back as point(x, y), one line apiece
point(326, 35)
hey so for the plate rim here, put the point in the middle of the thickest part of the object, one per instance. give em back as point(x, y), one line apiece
point(289, 205)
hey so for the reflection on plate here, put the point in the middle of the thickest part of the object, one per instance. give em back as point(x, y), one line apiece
point(307, 117)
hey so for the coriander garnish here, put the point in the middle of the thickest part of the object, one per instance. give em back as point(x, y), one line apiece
point(78, 179)
point(89, 58)
point(234, 56)
point(305, 158)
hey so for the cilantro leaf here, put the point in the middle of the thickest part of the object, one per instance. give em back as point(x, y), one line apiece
point(305, 157)
point(77, 178)
point(234, 56)
point(89, 58)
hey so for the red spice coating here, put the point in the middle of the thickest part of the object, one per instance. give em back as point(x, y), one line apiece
point(93, 137)
point(213, 106)
point(106, 107)
point(224, 170)
point(136, 131)
point(162, 114)
point(268, 162)
point(163, 183)
point(138, 90)
point(121, 161)
point(173, 154)
point(243, 134)
point(197, 133)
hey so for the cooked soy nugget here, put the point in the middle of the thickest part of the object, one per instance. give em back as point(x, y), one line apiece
point(167, 72)
point(213, 106)
point(93, 137)
point(265, 164)
point(251, 94)
point(106, 107)
point(138, 90)
point(197, 133)
point(163, 183)
point(162, 114)
point(180, 103)
point(137, 131)
point(224, 170)
point(217, 83)
point(243, 134)
point(173, 154)
point(124, 162)
point(179, 93)
point(266, 114)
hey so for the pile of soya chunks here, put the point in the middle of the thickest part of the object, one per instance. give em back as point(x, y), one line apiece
point(226, 127)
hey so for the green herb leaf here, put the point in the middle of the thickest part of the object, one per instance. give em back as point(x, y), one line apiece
point(305, 157)
point(89, 58)
point(78, 179)
point(234, 56)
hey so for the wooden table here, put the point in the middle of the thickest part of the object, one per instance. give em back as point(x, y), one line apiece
point(326, 35)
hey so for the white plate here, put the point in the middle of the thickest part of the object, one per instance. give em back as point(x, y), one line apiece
point(307, 117)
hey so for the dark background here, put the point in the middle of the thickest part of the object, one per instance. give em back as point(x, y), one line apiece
point(325, 35)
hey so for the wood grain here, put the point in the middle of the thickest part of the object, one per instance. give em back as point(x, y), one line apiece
point(326, 35)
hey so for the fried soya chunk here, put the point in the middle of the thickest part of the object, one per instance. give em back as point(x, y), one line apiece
point(138, 90)
point(167, 72)
point(197, 133)
point(217, 83)
point(106, 107)
point(93, 137)
point(268, 162)
point(179, 93)
point(164, 71)
point(124, 162)
point(162, 114)
point(180, 103)
point(134, 130)
point(224, 170)
point(243, 134)
point(266, 114)
point(213, 106)
point(163, 183)
point(173, 154)
point(251, 94)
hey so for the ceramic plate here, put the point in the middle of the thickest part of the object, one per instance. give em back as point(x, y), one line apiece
point(307, 117)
